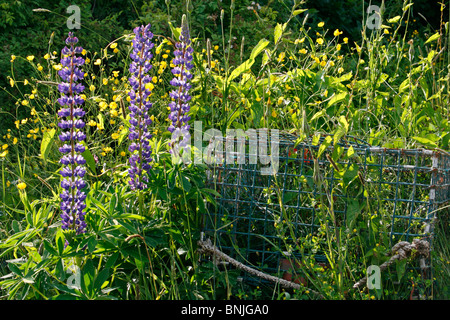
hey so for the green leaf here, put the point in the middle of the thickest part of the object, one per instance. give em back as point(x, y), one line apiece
point(337, 98)
point(426, 142)
point(401, 268)
point(90, 161)
point(244, 67)
point(350, 152)
point(15, 269)
point(50, 248)
point(341, 130)
point(299, 11)
point(259, 48)
point(278, 32)
point(350, 174)
point(47, 142)
point(175, 31)
point(434, 37)
point(324, 145)
point(185, 183)
point(353, 210)
point(318, 114)
point(394, 19)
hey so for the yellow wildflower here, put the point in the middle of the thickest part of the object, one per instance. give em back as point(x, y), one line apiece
point(321, 24)
point(103, 105)
point(337, 32)
point(47, 56)
point(30, 58)
point(115, 136)
point(345, 40)
point(21, 186)
point(92, 87)
point(319, 41)
point(113, 45)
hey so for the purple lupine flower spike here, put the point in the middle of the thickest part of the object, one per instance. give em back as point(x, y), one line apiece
point(139, 106)
point(71, 123)
point(179, 107)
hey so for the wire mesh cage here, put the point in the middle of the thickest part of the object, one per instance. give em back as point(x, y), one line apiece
point(262, 212)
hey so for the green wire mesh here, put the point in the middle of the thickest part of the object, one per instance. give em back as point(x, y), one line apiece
point(258, 216)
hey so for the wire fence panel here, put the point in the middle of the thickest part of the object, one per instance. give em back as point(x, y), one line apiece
point(259, 218)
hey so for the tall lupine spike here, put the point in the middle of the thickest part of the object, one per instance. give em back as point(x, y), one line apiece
point(180, 107)
point(139, 116)
point(71, 123)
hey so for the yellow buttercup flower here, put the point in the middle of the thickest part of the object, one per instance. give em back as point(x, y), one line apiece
point(337, 32)
point(11, 82)
point(321, 24)
point(47, 56)
point(92, 87)
point(103, 105)
point(98, 62)
point(123, 153)
point(115, 136)
point(115, 73)
point(113, 45)
point(57, 67)
point(4, 154)
point(105, 81)
point(345, 40)
point(319, 41)
point(30, 58)
point(21, 186)
point(13, 57)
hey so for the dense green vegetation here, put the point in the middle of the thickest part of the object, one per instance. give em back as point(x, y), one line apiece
point(305, 67)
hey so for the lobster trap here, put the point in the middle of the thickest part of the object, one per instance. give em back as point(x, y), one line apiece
point(261, 215)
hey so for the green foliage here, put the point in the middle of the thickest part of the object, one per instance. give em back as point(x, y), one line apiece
point(264, 67)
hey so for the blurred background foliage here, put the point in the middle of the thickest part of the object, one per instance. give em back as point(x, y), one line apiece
point(25, 31)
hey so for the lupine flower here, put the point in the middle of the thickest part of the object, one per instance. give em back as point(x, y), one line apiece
point(179, 107)
point(71, 123)
point(139, 106)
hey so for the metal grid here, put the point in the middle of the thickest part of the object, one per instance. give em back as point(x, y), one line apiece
point(258, 216)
